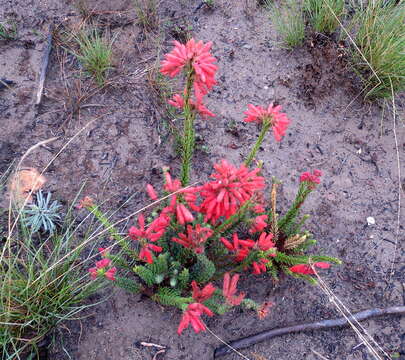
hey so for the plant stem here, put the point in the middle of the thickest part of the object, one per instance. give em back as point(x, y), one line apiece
point(265, 127)
point(188, 140)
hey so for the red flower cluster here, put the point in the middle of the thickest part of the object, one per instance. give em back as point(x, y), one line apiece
point(313, 178)
point(193, 313)
point(231, 188)
point(192, 316)
point(278, 120)
point(100, 270)
point(195, 238)
point(259, 224)
point(240, 247)
point(259, 266)
point(264, 242)
point(153, 233)
point(204, 294)
point(229, 290)
point(176, 207)
point(197, 56)
point(306, 269)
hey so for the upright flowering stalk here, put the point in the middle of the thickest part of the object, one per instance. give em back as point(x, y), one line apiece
point(195, 59)
point(268, 118)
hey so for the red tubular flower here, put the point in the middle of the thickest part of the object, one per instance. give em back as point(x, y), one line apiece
point(259, 267)
point(192, 315)
point(153, 233)
point(259, 224)
point(110, 274)
point(151, 192)
point(306, 269)
point(195, 238)
point(103, 252)
point(145, 253)
point(204, 294)
point(278, 120)
point(100, 269)
point(178, 102)
point(312, 179)
point(239, 246)
point(231, 188)
point(229, 290)
point(258, 209)
point(170, 184)
point(175, 60)
point(264, 243)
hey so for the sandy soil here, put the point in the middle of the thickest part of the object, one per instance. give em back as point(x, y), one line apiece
point(127, 142)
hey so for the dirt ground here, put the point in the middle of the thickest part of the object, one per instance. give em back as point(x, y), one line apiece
point(123, 142)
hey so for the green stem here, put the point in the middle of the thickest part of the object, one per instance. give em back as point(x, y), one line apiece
point(188, 140)
point(122, 242)
point(265, 127)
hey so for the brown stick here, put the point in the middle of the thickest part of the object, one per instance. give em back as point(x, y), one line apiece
point(324, 324)
point(44, 65)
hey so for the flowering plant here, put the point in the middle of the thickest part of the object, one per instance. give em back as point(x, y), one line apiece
point(221, 229)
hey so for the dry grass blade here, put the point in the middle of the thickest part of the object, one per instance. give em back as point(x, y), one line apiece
point(372, 346)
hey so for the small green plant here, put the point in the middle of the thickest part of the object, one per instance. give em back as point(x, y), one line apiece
point(380, 38)
point(324, 14)
point(95, 54)
point(42, 214)
point(9, 31)
point(147, 14)
point(288, 19)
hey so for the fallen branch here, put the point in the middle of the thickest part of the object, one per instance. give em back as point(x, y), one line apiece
point(320, 325)
point(44, 65)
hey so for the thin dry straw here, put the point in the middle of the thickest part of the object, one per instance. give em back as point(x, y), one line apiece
point(391, 272)
point(365, 337)
point(225, 343)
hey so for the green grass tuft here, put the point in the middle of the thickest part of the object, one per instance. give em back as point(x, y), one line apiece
point(95, 54)
point(322, 14)
point(380, 37)
point(288, 19)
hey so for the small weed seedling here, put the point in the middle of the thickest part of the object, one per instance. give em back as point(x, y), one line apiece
point(288, 19)
point(9, 31)
point(95, 54)
point(321, 14)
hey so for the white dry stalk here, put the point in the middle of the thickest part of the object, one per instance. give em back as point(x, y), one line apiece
point(225, 343)
point(372, 346)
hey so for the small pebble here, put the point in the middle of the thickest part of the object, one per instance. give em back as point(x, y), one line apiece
point(370, 220)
